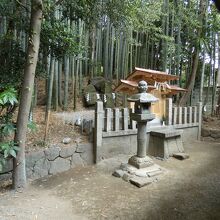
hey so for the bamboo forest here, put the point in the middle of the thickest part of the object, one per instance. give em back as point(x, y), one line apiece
point(52, 52)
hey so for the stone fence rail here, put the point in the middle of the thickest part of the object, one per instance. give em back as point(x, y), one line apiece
point(183, 115)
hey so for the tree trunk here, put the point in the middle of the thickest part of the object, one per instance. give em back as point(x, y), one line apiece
point(191, 81)
point(19, 172)
point(202, 79)
point(66, 82)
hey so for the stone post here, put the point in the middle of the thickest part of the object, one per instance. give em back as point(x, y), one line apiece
point(199, 120)
point(98, 129)
point(141, 139)
point(169, 112)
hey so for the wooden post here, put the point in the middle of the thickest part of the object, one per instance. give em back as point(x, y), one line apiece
point(199, 120)
point(98, 129)
point(169, 112)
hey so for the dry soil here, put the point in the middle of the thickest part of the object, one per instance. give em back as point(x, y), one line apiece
point(188, 189)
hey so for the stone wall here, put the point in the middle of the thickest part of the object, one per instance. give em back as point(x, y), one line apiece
point(115, 145)
point(125, 142)
point(54, 159)
point(190, 133)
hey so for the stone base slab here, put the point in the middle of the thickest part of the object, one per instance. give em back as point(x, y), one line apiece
point(139, 177)
point(140, 181)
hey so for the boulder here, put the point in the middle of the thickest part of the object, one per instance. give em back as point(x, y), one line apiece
point(66, 140)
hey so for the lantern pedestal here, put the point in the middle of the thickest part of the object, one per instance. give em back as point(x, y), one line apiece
point(140, 162)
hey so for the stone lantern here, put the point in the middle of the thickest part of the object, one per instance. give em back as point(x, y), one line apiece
point(142, 114)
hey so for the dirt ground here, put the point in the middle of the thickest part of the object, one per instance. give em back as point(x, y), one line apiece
point(61, 125)
point(188, 189)
point(211, 122)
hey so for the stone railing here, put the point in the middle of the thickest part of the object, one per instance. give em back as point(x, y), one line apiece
point(115, 132)
point(180, 117)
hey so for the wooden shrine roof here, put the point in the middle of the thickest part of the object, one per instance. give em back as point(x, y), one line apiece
point(154, 79)
point(130, 87)
point(150, 76)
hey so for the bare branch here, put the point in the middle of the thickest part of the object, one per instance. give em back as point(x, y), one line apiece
point(22, 5)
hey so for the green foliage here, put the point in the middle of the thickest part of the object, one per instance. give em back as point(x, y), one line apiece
point(8, 129)
point(8, 96)
point(8, 100)
point(87, 10)
point(7, 150)
point(32, 126)
point(58, 40)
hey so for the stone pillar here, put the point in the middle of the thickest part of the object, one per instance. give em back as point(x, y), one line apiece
point(98, 129)
point(141, 139)
point(169, 111)
point(199, 120)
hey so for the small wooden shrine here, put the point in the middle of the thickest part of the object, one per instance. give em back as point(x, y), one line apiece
point(158, 85)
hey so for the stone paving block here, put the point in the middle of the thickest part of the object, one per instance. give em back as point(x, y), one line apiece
point(129, 168)
point(181, 156)
point(118, 173)
point(126, 177)
point(145, 171)
point(154, 173)
point(140, 181)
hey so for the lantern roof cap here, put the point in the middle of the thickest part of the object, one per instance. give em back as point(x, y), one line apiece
point(142, 96)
